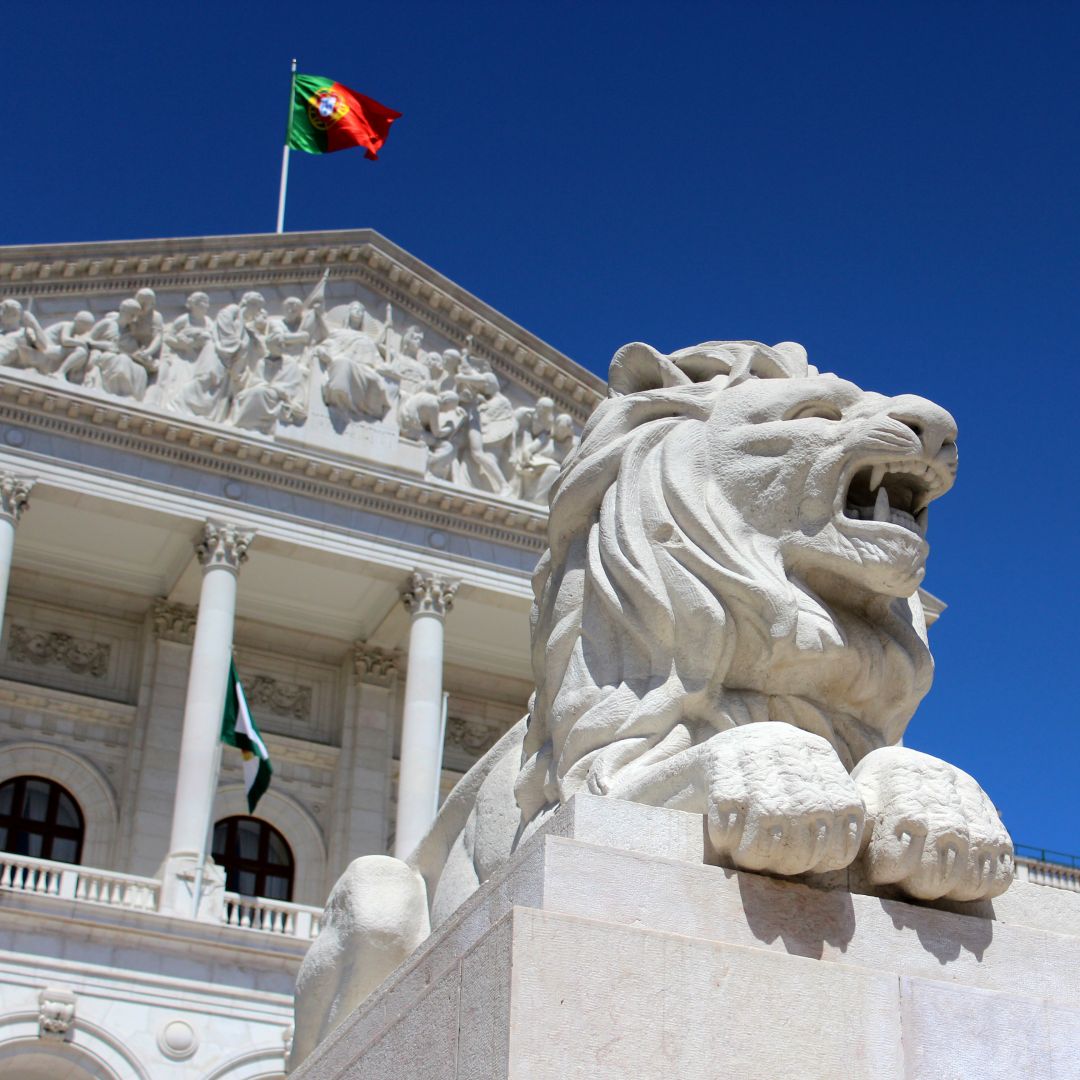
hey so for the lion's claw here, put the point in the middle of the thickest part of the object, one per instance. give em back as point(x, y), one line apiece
point(780, 801)
point(931, 828)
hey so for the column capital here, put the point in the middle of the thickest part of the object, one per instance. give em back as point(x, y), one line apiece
point(375, 665)
point(174, 622)
point(14, 495)
point(429, 594)
point(222, 545)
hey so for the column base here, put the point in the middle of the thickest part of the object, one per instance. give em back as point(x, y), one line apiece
point(179, 874)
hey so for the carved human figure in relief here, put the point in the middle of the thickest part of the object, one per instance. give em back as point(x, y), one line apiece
point(148, 328)
point(727, 622)
point(118, 363)
point(71, 341)
point(408, 362)
point(273, 389)
point(356, 373)
point(23, 341)
point(534, 454)
point(193, 379)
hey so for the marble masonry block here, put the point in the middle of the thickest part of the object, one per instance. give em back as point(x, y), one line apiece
point(611, 945)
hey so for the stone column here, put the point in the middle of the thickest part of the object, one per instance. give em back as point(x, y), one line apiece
point(14, 498)
point(428, 598)
point(221, 550)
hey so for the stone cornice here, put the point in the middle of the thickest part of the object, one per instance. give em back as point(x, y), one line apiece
point(245, 261)
point(30, 401)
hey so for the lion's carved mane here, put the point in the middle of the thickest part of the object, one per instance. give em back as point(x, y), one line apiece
point(667, 609)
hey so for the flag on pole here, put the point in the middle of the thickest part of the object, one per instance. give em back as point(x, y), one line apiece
point(239, 730)
point(327, 116)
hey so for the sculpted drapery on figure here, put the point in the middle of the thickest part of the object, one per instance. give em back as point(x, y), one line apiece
point(356, 374)
point(118, 363)
point(247, 368)
point(194, 379)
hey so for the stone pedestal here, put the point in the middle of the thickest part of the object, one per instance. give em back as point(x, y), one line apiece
point(612, 947)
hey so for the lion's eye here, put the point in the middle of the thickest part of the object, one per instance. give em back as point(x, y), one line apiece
point(819, 410)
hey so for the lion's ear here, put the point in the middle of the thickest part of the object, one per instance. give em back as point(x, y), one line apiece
point(637, 366)
point(793, 360)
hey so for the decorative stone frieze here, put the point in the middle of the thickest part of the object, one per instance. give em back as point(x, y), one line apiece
point(174, 622)
point(343, 348)
point(472, 737)
point(376, 665)
point(14, 495)
point(429, 594)
point(58, 649)
point(223, 545)
point(56, 1013)
point(279, 697)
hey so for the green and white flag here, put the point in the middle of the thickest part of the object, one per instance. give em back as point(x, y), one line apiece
point(239, 730)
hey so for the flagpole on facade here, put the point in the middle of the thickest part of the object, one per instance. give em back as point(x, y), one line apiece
point(200, 872)
point(285, 156)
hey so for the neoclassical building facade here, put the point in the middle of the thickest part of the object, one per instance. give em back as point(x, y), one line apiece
point(310, 452)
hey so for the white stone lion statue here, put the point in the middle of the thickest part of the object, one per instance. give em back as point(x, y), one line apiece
point(738, 539)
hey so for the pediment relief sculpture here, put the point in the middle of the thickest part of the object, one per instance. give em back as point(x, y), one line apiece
point(335, 368)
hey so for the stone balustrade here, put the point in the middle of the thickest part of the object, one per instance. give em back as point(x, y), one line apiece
point(272, 916)
point(21, 873)
point(1043, 872)
point(43, 877)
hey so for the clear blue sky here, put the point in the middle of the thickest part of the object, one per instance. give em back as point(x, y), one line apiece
point(893, 185)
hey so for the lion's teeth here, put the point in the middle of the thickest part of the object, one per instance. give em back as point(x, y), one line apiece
point(920, 502)
point(881, 505)
point(876, 477)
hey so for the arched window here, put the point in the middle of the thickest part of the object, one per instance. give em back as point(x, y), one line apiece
point(255, 857)
point(40, 818)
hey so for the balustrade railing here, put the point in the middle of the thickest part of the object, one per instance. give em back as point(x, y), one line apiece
point(272, 916)
point(1040, 872)
point(43, 877)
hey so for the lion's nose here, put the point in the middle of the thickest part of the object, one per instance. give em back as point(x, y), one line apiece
point(934, 426)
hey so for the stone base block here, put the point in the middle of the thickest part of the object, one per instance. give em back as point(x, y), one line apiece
point(611, 947)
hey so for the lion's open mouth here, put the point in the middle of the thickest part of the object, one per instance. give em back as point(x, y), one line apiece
point(894, 492)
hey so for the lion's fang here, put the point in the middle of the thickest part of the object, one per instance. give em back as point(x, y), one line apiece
point(881, 505)
point(876, 477)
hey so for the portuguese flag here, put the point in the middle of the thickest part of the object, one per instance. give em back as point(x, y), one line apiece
point(327, 116)
point(238, 729)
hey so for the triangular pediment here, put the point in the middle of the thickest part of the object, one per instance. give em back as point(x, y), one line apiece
point(383, 361)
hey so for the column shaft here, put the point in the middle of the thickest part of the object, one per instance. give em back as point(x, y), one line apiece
point(222, 549)
point(196, 780)
point(421, 751)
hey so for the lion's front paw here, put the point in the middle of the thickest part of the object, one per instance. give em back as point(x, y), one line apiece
point(932, 830)
point(781, 801)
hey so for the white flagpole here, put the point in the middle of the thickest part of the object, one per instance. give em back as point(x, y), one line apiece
point(285, 157)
